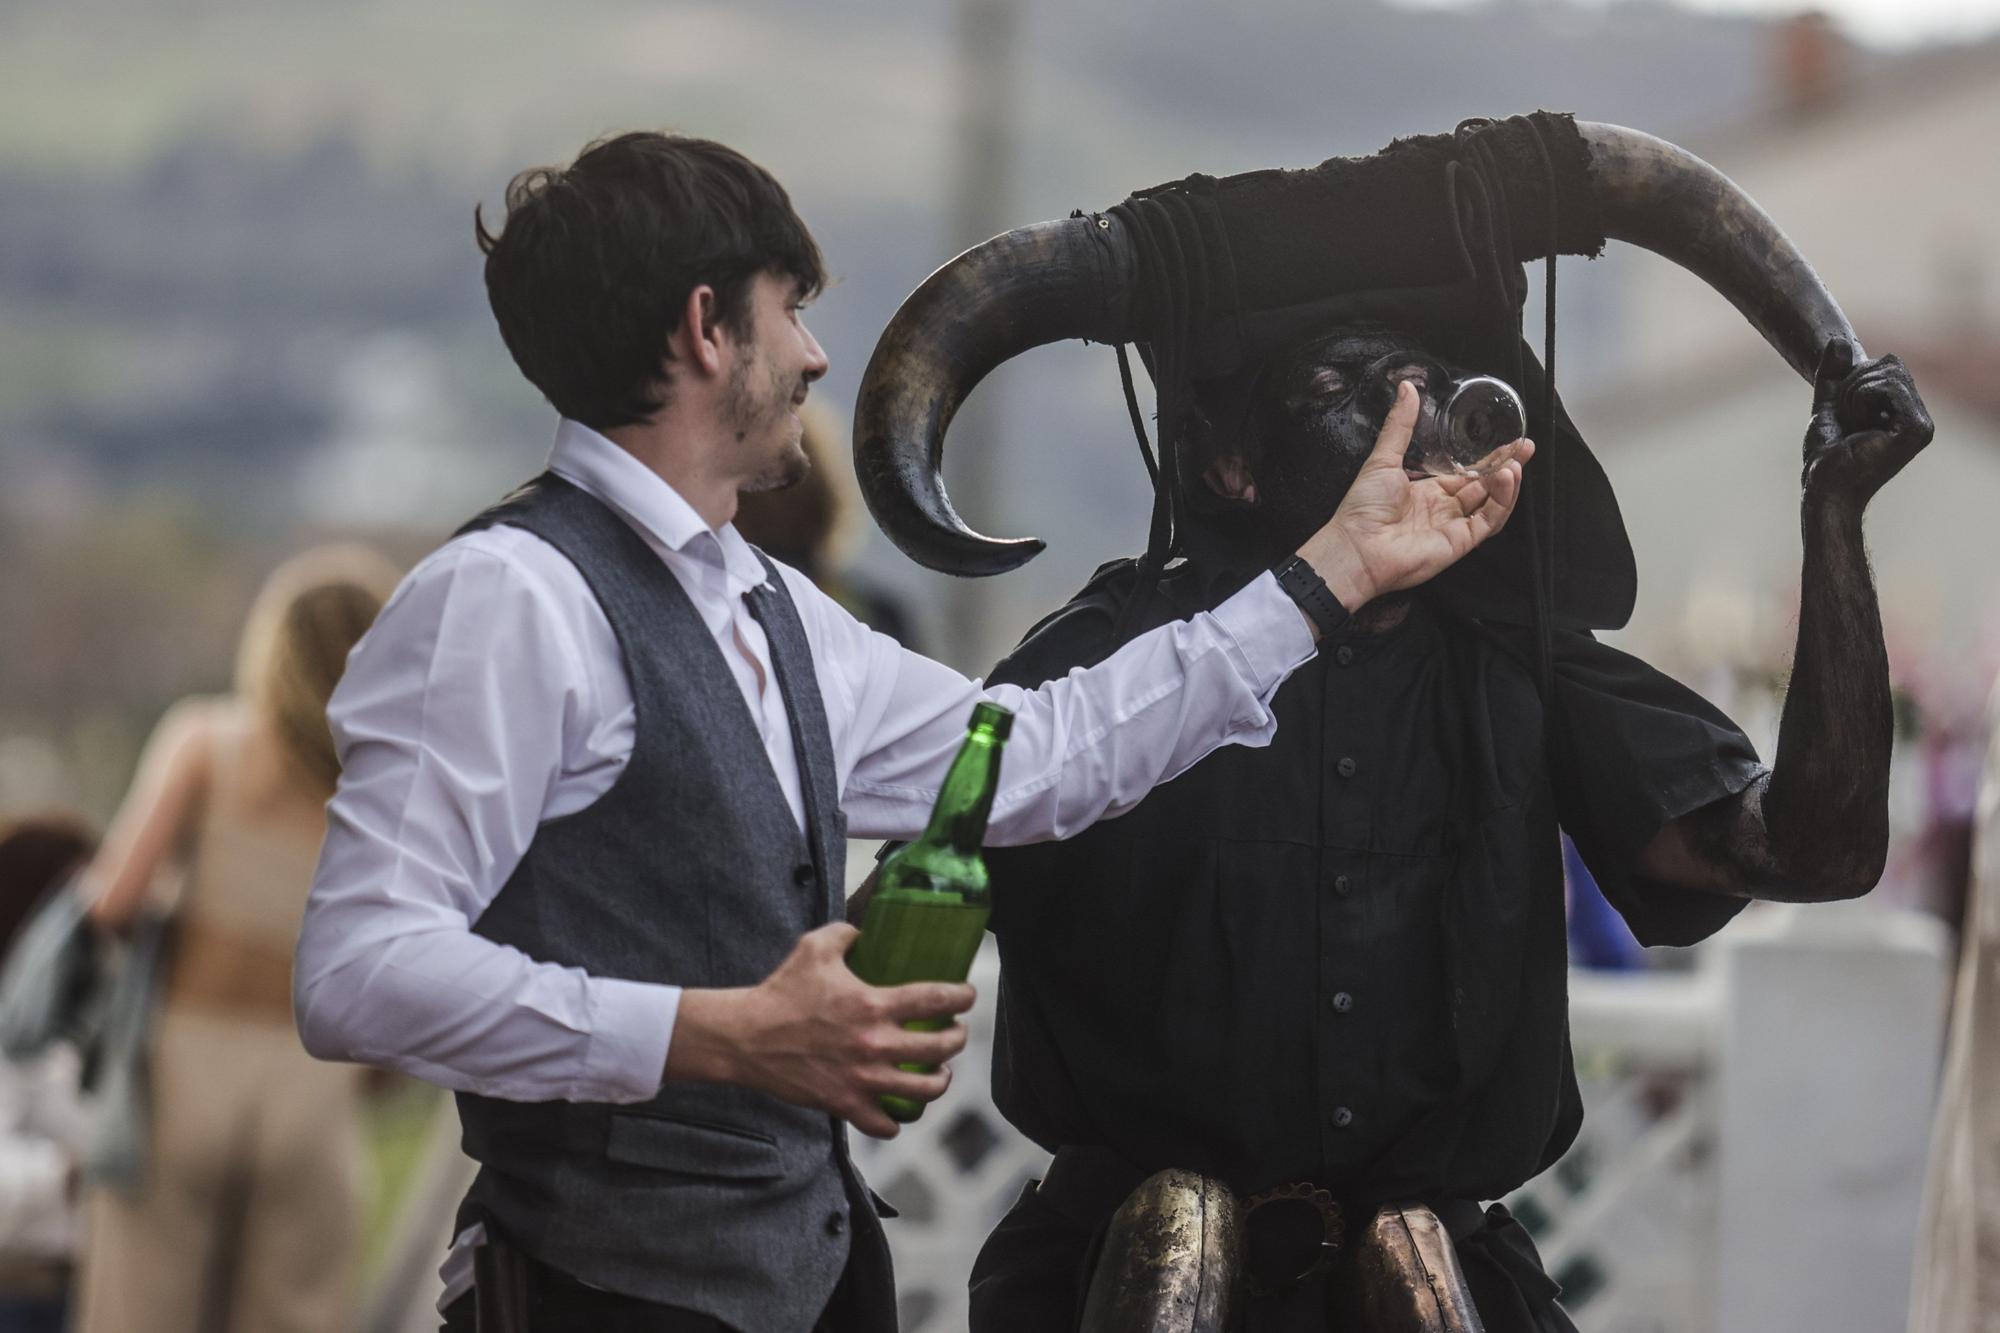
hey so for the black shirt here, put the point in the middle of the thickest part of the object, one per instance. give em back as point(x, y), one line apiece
point(1341, 957)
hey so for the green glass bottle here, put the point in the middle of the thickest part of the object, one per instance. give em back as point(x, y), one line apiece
point(929, 910)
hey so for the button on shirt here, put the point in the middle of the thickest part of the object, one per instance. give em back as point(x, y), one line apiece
point(490, 697)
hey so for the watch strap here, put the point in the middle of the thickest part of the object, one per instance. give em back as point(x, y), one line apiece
point(1303, 585)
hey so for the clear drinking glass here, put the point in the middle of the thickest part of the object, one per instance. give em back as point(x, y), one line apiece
point(1480, 415)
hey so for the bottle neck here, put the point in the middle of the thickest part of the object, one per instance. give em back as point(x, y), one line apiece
point(966, 800)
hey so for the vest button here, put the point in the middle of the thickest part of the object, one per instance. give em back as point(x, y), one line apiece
point(1341, 1117)
point(1345, 767)
point(1342, 885)
point(1342, 1002)
point(1344, 655)
point(836, 1223)
point(802, 874)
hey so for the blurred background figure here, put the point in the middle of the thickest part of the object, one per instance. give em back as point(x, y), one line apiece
point(1957, 1284)
point(248, 1214)
point(39, 1115)
point(815, 527)
point(1598, 936)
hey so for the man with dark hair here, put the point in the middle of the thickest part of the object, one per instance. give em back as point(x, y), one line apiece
point(600, 756)
point(660, 215)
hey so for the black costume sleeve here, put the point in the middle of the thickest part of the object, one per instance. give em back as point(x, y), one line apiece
point(1632, 750)
point(1080, 633)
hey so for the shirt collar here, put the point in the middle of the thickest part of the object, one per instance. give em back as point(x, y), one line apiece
point(649, 503)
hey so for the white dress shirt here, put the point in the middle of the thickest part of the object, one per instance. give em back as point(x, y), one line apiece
point(490, 697)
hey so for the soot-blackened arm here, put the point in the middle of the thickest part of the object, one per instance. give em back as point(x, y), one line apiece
point(1816, 827)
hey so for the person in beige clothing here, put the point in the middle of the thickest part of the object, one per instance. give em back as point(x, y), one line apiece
point(248, 1215)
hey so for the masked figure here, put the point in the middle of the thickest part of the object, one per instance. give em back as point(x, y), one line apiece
point(1323, 983)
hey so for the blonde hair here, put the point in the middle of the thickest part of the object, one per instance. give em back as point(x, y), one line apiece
point(311, 610)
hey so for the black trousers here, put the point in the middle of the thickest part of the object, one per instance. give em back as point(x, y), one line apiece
point(558, 1303)
point(1032, 1273)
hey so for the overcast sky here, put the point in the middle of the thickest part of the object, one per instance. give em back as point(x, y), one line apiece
point(1884, 22)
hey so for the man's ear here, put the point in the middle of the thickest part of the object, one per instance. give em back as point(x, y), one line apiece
point(697, 337)
point(1229, 477)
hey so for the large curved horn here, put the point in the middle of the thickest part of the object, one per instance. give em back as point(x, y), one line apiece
point(1074, 279)
point(1030, 286)
point(1671, 202)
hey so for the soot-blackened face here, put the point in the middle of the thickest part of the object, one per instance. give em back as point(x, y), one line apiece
point(1316, 411)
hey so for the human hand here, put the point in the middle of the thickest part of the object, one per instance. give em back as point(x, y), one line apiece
point(1868, 421)
point(814, 1034)
point(1393, 531)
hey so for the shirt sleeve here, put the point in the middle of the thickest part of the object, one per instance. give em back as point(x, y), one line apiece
point(452, 722)
point(1635, 749)
point(1084, 747)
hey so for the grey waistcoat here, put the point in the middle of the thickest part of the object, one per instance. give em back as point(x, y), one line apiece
point(690, 870)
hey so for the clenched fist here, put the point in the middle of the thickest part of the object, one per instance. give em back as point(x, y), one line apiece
point(1868, 422)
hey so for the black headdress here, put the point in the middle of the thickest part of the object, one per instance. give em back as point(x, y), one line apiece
point(1434, 258)
point(1210, 277)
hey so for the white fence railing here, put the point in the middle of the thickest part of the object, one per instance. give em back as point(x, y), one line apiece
point(1752, 1156)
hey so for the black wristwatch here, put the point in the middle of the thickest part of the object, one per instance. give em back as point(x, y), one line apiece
point(1303, 585)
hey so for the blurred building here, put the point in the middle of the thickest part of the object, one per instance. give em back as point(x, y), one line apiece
point(1888, 183)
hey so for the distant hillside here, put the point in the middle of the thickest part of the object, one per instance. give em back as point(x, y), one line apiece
point(235, 238)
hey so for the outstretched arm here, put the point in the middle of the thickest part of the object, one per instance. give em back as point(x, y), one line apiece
point(1091, 744)
point(1817, 826)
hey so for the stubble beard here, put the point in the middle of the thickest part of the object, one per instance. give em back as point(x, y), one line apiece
point(758, 407)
